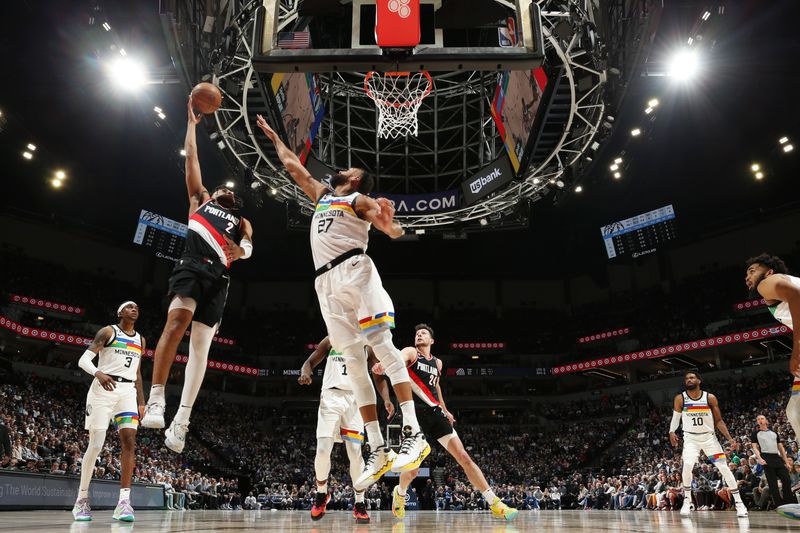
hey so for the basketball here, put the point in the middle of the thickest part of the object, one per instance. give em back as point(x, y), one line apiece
point(206, 97)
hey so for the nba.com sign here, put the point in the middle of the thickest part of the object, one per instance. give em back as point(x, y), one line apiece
point(487, 180)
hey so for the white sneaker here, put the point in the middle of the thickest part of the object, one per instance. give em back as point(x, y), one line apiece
point(175, 436)
point(741, 510)
point(378, 463)
point(413, 451)
point(153, 416)
point(686, 508)
point(790, 510)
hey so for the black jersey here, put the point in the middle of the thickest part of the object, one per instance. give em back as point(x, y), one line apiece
point(208, 227)
point(424, 374)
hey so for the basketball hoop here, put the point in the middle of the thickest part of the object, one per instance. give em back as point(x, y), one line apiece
point(397, 96)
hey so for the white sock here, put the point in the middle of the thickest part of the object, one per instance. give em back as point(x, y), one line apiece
point(410, 416)
point(322, 487)
point(359, 496)
point(737, 497)
point(183, 414)
point(374, 437)
point(401, 490)
point(157, 394)
point(490, 497)
point(124, 494)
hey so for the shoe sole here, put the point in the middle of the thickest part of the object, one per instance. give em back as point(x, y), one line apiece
point(511, 516)
point(787, 514)
point(123, 518)
point(362, 520)
point(414, 464)
point(315, 518)
point(152, 424)
point(376, 476)
point(171, 446)
point(83, 519)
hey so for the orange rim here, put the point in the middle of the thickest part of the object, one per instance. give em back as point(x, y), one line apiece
point(406, 74)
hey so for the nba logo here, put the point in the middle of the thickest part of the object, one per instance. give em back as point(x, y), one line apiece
point(397, 23)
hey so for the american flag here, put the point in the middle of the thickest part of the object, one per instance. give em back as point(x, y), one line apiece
point(294, 39)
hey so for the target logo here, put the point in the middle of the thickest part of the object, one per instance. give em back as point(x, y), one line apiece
point(400, 7)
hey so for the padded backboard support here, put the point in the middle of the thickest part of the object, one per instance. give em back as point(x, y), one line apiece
point(397, 24)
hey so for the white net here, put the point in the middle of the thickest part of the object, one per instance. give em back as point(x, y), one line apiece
point(397, 95)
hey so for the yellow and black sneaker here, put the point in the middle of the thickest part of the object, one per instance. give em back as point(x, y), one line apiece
point(413, 451)
point(501, 510)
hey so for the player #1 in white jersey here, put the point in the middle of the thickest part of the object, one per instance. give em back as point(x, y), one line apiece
point(338, 415)
point(120, 359)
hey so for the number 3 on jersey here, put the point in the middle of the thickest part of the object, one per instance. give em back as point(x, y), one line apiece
point(324, 225)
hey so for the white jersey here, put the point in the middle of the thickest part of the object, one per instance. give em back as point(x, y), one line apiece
point(696, 416)
point(336, 228)
point(781, 311)
point(121, 355)
point(335, 376)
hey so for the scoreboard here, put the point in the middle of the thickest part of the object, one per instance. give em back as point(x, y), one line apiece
point(639, 235)
point(164, 235)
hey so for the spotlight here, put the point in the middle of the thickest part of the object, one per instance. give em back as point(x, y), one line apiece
point(560, 184)
point(635, 132)
point(60, 174)
point(755, 167)
point(788, 148)
point(419, 231)
point(56, 184)
point(578, 189)
point(484, 222)
point(162, 116)
point(683, 65)
point(613, 167)
point(690, 41)
point(759, 175)
point(536, 181)
point(221, 145)
point(27, 155)
point(617, 161)
point(706, 15)
point(476, 357)
point(230, 184)
point(273, 191)
point(617, 175)
point(126, 73)
point(783, 140)
point(107, 26)
point(31, 147)
point(183, 152)
point(122, 52)
point(653, 102)
point(648, 110)
point(158, 109)
point(255, 185)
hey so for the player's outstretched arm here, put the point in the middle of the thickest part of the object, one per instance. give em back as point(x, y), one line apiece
point(297, 171)
point(313, 360)
point(779, 287)
point(85, 362)
point(719, 423)
point(139, 384)
point(381, 383)
point(380, 213)
point(677, 408)
point(194, 182)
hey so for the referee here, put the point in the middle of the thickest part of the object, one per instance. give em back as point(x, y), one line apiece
point(769, 450)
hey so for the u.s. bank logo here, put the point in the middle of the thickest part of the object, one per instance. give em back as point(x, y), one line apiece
point(476, 186)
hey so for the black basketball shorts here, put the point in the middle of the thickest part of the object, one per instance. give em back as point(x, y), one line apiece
point(204, 280)
point(432, 422)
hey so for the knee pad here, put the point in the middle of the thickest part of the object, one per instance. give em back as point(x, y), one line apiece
point(389, 356)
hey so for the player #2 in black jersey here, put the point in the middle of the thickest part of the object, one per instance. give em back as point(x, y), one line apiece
point(208, 227)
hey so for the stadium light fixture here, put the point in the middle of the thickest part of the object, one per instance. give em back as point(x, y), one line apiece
point(122, 52)
point(617, 175)
point(273, 191)
point(755, 167)
point(613, 167)
point(107, 26)
point(690, 41)
point(31, 147)
point(578, 189)
point(536, 181)
point(787, 148)
point(635, 132)
point(759, 175)
point(60, 175)
point(162, 116)
point(230, 184)
point(158, 110)
point(56, 184)
point(560, 184)
point(684, 65)
point(653, 102)
point(183, 152)
point(617, 161)
point(484, 222)
point(648, 110)
point(126, 73)
point(783, 140)
point(706, 15)
point(27, 155)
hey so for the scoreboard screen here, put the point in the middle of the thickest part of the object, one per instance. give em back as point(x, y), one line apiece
point(165, 236)
point(639, 235)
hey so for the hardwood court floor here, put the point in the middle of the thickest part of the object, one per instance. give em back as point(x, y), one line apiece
point(422, 521)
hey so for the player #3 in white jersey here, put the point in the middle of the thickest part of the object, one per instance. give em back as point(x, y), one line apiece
point(336, 228)
point(120, 359)
point(338, 415)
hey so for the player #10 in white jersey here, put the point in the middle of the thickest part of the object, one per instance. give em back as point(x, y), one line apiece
point(121, 355)
point(336, 228)
point(696, 417)
point(335, 376)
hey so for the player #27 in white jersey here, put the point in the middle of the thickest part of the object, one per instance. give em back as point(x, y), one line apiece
point(121, 355)
point(336, 228)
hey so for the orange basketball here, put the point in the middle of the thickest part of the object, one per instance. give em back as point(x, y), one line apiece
point(206, 97)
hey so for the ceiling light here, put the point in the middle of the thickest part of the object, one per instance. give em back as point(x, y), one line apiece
point(162, 116)
point(788, 148)
point(183, 152)
point(56, 184)
point(484, 222)
point(617, 175)
point(31, 147)
point(648, 110)
point(158, 109)
point(560, 184)
point(122, 52)
point(783, 140)
point(578, 189)
point(273, 191)
point(635, 132)
point(613, 167)
point(107, 26)
point(759, 175)
point(690, 41)
point(476, 357)
point(653, 102)
point(126, 73)
point(618, 160)
point(27, 155)
point(706, 15)
point(536, 181)
point(683, 65)
point(230, 184)
point(755, 167)
point(60, 174)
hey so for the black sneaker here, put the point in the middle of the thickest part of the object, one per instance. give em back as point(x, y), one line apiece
point(360, 513)
point(320, 502)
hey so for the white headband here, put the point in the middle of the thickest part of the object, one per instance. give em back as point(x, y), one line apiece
point(123, 304)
